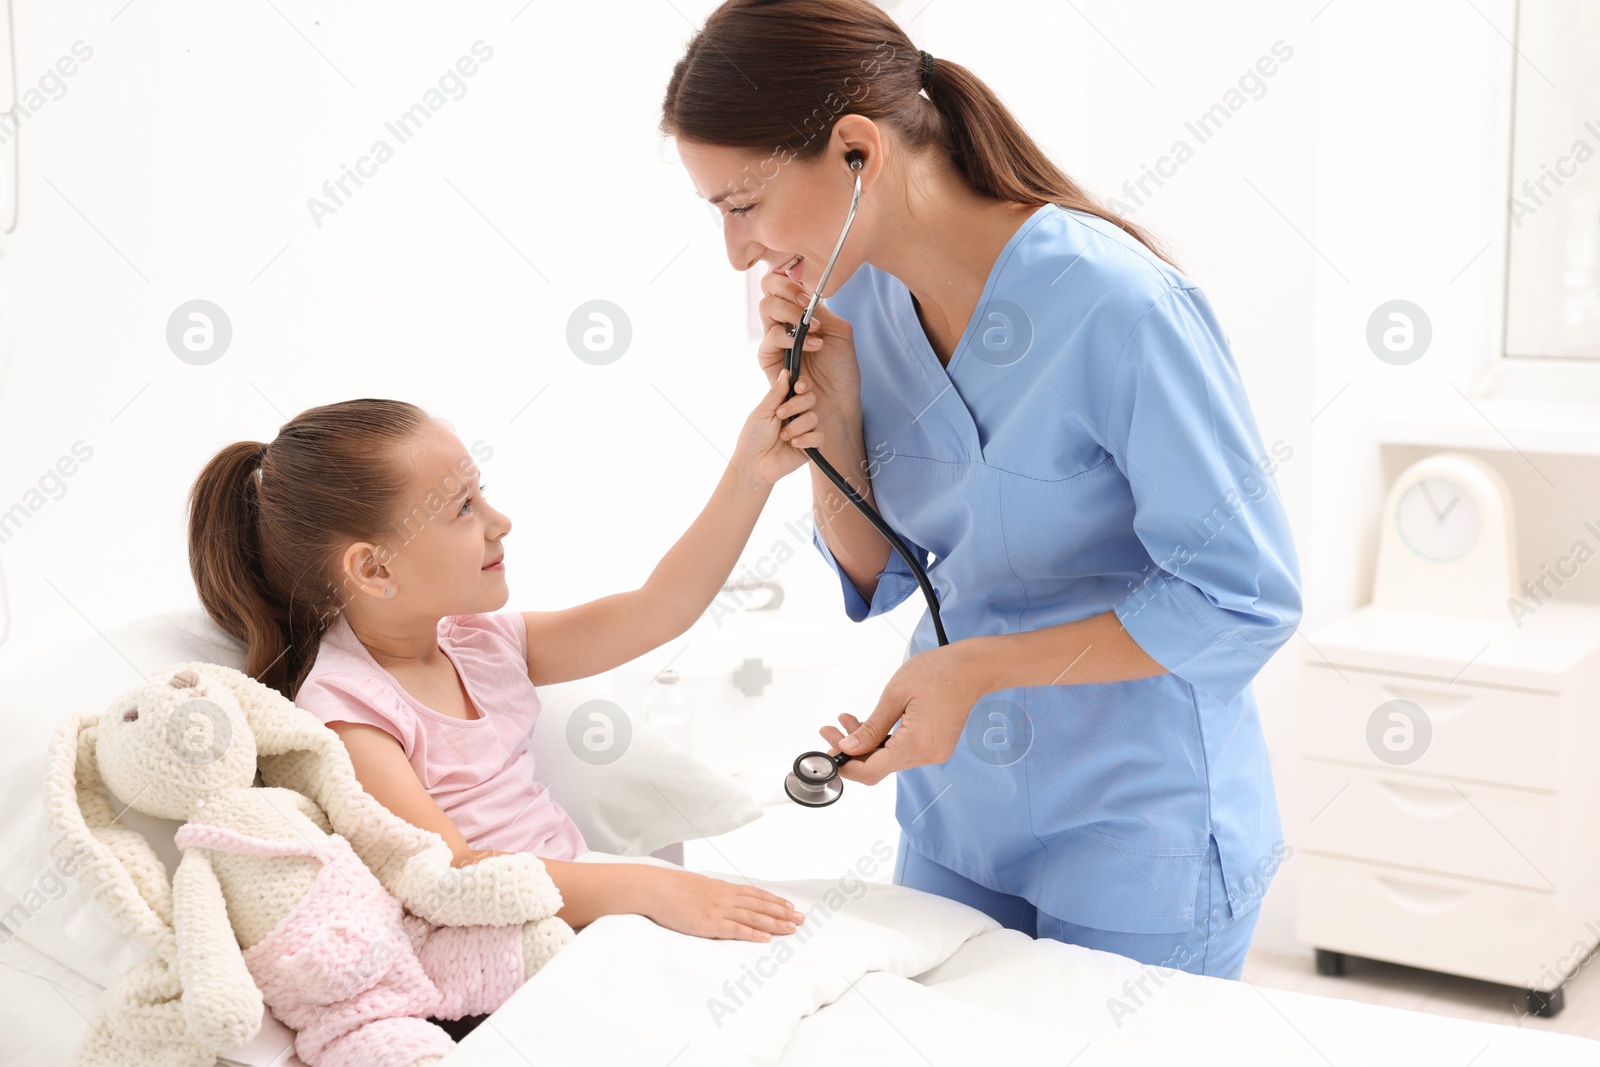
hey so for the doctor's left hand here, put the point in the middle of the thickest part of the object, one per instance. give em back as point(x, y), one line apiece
point(769, 447)
point(930, 696)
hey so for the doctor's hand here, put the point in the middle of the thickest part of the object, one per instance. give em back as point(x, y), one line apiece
point(930, 697)
point(769, 448)
point(828, 360)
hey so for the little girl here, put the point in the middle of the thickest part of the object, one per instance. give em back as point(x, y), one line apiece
point(356, 557)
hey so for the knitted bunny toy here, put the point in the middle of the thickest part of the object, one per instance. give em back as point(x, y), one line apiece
point(289, 894)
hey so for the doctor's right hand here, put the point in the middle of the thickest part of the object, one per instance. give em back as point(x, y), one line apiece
point(827, 362)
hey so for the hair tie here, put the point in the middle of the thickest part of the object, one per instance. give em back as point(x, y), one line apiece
point(927, 68)
point(261, 454)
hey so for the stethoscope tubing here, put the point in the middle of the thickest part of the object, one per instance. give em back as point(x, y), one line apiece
point(792, 363)
point(818, 791)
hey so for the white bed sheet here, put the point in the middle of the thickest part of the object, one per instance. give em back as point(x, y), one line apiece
point(626, 991)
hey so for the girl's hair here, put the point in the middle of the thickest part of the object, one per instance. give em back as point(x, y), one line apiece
point(267, 522)
point(854, 60)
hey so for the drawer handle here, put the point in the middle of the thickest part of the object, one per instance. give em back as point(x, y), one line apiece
point(1440, 706)
point(1421, 899)
point(1422, 802)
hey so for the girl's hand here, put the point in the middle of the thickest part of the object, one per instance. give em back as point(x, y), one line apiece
point(828, 360)
point(709, 907)
point(473, 855)
point(768, 449)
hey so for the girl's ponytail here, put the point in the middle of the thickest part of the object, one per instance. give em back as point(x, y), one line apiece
point(227, 569)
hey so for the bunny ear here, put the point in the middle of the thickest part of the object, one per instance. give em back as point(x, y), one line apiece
point(278, 725)
point(296, 750)
point(114, 863)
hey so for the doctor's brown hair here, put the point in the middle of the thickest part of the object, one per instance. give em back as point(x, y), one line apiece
point(265, 529)
point(814, 60)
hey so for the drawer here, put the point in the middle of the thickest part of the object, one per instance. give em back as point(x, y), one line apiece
point(1431, 921)
point(1480, 831)
point(1499, 736)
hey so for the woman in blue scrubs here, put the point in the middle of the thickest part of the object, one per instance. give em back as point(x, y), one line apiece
point(1047, 410)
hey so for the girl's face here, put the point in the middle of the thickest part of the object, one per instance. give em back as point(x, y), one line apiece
point(443, 553)
point(775, 211)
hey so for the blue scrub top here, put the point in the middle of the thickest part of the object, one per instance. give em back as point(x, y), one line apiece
point(1089, 448)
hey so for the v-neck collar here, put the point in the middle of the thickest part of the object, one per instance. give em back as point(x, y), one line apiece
point(941, 378)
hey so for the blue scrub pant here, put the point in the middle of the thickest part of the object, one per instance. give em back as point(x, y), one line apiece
point(1216, 946)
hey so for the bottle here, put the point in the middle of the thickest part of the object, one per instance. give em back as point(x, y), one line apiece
point(667, 708)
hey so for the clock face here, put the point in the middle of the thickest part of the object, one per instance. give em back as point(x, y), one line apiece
point(1438, 519)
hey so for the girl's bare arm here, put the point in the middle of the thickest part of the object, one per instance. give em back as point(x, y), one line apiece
point(592, 638)
point(680, 900)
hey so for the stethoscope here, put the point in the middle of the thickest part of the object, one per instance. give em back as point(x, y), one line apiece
point(815, 780)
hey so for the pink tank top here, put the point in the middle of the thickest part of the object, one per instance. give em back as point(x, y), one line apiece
point(480, 771)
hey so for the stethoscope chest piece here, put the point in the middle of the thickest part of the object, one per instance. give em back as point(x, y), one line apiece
point(815, 780)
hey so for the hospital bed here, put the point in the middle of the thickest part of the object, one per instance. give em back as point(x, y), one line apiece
point(878, 973)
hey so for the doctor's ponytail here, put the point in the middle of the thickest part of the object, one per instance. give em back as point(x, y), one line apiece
point(856, 61)
point(267, 522)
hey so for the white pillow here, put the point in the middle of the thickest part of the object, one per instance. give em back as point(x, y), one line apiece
point(653, 796)
point(650, 794)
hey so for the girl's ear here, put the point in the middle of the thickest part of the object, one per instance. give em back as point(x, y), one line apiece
point(116, 864)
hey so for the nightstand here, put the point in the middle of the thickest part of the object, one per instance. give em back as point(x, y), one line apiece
point(1451, 790)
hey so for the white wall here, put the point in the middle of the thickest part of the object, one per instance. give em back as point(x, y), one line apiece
point(178, 162)
point(191, 142)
